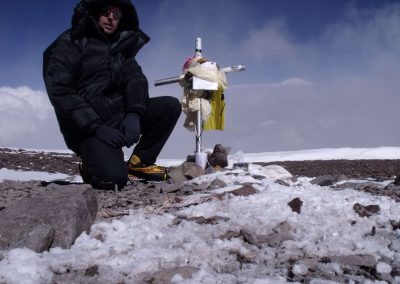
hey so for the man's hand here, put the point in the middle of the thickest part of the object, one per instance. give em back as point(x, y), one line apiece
point(130, 127)
point(111, 136)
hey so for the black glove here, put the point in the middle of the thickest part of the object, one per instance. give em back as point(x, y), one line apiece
point(130, 127)
point(111, 136)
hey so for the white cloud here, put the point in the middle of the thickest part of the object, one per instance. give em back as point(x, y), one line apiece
point(364, 42)
point(293, 82)
point(22, 112)
point(269, 43)
point(274, 50)
point(369, 29)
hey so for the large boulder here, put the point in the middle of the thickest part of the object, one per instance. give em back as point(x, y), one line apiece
point(54, 218)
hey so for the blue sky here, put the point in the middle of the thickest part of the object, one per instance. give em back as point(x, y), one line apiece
point(29, 26)
point(319, 73)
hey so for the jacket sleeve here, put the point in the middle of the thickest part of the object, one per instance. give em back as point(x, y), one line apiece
point(136, 93)
point(60, 71)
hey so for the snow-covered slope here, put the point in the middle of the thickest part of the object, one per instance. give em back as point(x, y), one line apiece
point(218, 237)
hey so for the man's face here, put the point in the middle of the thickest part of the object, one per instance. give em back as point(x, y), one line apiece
point(109, 19)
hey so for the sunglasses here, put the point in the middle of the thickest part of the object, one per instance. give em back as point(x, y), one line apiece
point(116, 13)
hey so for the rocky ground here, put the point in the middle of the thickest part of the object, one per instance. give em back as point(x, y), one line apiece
point(162, 196)
point(139, 194)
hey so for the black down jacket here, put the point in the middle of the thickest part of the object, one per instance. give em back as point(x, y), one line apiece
point(92, 80)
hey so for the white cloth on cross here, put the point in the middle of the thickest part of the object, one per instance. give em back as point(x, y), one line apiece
point(193, 100)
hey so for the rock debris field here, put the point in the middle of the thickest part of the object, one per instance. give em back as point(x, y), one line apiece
point(139, 194)
point(371, 177)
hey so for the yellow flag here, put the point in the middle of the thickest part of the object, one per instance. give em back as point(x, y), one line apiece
point(216, 121)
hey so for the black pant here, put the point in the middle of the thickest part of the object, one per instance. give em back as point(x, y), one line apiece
point(106, 165)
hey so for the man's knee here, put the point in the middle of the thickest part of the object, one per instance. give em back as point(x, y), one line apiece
point(174, 106)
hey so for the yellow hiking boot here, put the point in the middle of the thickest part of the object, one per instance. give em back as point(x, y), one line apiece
point(148, 172)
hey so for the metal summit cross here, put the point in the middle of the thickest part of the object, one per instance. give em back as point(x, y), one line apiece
point(199, 79)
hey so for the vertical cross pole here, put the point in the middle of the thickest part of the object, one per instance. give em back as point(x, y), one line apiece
point(199, 124)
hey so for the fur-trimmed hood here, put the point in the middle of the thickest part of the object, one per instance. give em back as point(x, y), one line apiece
point(86, 10)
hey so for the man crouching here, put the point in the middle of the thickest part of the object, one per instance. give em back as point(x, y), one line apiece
point(100, 95)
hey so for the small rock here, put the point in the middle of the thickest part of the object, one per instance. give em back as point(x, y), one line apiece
point(217, 183)
point(176, 175)
point(326, 180)
point(395, 272)
point(245, 190)
point(247, 257)
point(296, 204)
point(219, 156)
point(185, 172)
point(211, 220)
point(229, 235)
point(192, 170)
point(366, 211)
point(249, 237)
point(279, 234)
point(325, 260)
point(258, 177)
point(92, 271)
point(373, 231)
point(395, 224)
point(366, 260)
